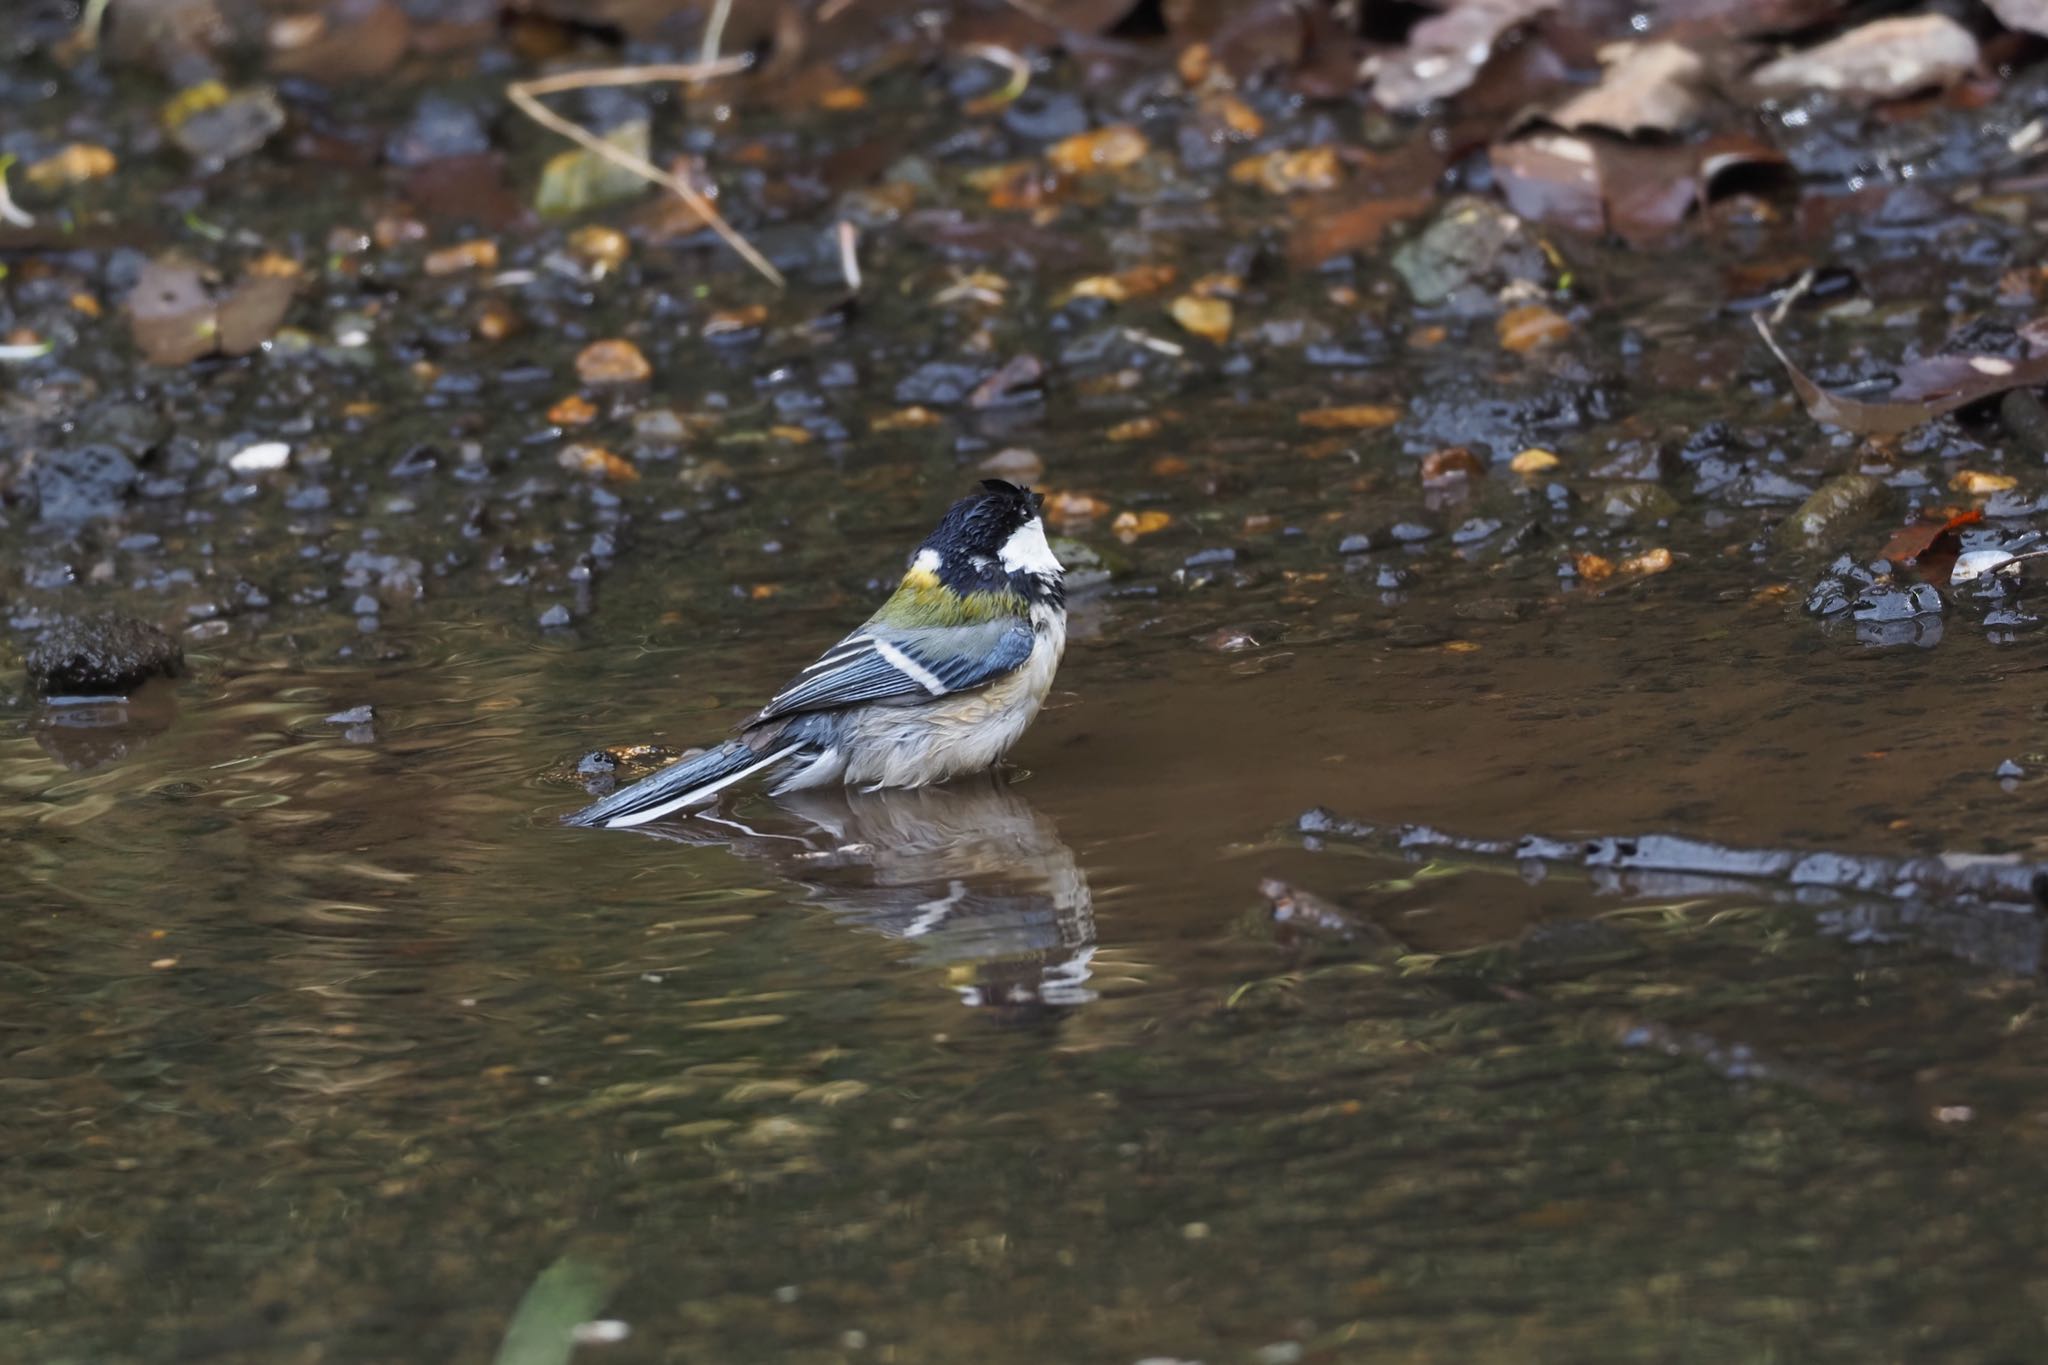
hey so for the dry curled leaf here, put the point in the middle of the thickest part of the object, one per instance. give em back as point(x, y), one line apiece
point(1887, 59)
point(1929, 539)
point(1534, 461)
point(1647, 563)
point(1647, 88)
point(1593, 568)
point(1452, 464)
point(1926, 388)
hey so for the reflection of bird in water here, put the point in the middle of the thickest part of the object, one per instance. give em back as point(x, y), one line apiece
point(971, 873)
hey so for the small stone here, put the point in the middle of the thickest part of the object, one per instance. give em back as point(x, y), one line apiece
point(355, 715)
point(88, 656)
point(555, 617)
point(260, 458)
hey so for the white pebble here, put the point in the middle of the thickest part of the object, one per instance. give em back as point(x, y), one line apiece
point(260, 458)
point(600, 1332)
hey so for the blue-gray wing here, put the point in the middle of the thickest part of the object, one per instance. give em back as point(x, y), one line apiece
point(878, 663)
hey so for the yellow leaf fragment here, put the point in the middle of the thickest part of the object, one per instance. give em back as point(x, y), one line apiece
point(906, 419)
point(1534, 461)
point(1128, 526)
point(1979, 481)
point(481, 254)
point(1284, 172)
point(612, 361)
point(1593, 568)
point(1063, 509)
point(1354, 417)
point(1134, 283)
point(573, 411)
point(1137, 429)
point(1207, 318)
point(597, 462)
point(73, 165)
point(1104, 149)
point(192, 99)
point(598, 245)
point(1526, 328)
point(1647, 563)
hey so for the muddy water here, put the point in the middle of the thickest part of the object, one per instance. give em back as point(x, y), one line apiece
point(326, 1041)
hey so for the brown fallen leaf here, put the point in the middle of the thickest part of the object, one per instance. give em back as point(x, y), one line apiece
point(1887, 59)
point(1353, 417)
point(612, 361)
point(1647, 88)
point(1324, 232)
point(1929, 539)
point(1531, 326)
point(350, 42)
point(1638, 191)
point(1444, 53)
point(1926, 388)
point(1105, 149)
point(174, 319)
point(1136, 429)
point(1452, 464)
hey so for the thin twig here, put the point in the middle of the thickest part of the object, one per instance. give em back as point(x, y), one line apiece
point(525, 97)
point(714, 31)
point(1797, 292)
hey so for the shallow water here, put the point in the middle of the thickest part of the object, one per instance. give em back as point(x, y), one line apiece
point(327, 1040)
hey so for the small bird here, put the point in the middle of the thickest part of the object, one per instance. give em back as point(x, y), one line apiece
point(941, 681)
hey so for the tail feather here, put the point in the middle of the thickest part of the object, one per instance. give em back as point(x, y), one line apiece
point(686, 782)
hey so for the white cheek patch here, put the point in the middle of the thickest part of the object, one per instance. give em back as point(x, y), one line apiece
point(927, 560)
point(1026, 550)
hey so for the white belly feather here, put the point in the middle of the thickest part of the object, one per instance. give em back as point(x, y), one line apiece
point(914, 746)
